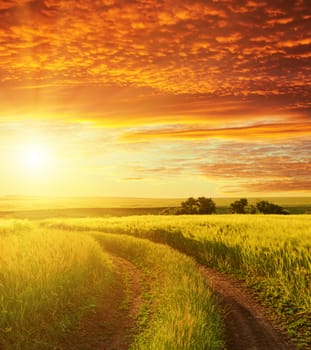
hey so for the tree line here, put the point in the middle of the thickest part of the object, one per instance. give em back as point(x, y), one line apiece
point(203, 205)
point(242, 207)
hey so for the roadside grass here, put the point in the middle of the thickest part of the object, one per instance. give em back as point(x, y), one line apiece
point(48, 281)
point(11, 226)
point(272, 253)
point(179, 311)
point(51, 279)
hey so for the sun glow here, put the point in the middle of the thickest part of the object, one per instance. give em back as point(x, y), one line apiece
point(35, 158)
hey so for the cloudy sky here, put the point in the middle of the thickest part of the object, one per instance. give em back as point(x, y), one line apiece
point(153, 98)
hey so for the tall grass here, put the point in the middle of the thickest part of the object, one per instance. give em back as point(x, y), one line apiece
point(181, 310)
point(273, 253)
point(48, 281)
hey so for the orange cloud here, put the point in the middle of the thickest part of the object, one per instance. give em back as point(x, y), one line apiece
point(274, 132)
point(162, 73)
point(164, 46)
point(265, 167)
point(260, 168)
point(293, 43)
point(295, 185)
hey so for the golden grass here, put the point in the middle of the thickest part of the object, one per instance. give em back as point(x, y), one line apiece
point(273, 253)
point(51, 278)
point(48, 281)
point(181, 312)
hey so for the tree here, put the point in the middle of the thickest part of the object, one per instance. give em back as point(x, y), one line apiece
point(206, 206)
point(266, 207)
point(250, 209)
point(200, 205)
point(189, 206)
point(239, 206)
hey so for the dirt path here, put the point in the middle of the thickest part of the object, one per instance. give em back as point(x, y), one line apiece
point(112, 324)
point(247, 325)
point(121, 311)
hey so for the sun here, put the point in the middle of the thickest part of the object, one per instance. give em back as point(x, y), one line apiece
point(35, 158)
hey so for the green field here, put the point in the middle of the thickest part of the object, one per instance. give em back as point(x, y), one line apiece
point(61, 269)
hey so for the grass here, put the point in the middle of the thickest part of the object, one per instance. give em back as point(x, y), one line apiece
point(43, 289)
point(181, 311)
point(44, 267)
point(271, 252)
point(52, 279)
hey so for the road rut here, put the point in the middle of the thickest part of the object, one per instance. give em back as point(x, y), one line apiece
point(247, 325)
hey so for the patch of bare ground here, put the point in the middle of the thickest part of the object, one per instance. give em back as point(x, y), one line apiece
point(112, 325)
point(247, 323)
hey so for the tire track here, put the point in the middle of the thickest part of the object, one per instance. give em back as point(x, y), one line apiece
point(112, 325)
point(123, 307)
point(247, 326)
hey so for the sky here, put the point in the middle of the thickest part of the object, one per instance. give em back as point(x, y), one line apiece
point(150, 98)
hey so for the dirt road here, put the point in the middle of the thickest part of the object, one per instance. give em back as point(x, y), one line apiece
point(247, 325)
point(111, 326)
